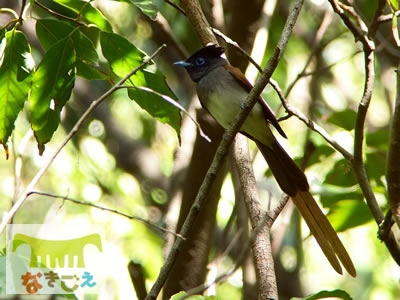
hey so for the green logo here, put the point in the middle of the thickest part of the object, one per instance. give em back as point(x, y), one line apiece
point(56, 249)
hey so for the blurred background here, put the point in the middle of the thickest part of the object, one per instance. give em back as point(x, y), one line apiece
point(126, 160)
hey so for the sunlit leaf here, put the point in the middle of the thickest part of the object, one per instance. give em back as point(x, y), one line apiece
point(90, 13)
point(395, 31)
point(341, 174)
point(337, 294)
point(15, 80)
point(182, 295)
point(122, 56)
point(155, 104)
point(375, 166)
point(44, 134)
point(378, 139)
point(89, 71)
point(320, 153)
point(330, 195)
point(53, 80)
point(394, 4)
point(51, 31)
point(347, 214)
point(146, 6)
point(345, 119)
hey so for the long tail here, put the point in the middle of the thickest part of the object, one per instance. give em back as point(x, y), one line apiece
point(293, 182)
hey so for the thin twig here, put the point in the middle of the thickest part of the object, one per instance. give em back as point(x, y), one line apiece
point(58, 15)
point(21, 12)
point(8, 216)
point(310, 124)
point(10, 11)
point(386, 226)
point(177, 7)
point(388, 17)
point(273, 214)
point(358, 33)
point(130, 217)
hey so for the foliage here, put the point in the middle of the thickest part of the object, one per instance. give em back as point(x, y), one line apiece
point(71, 52)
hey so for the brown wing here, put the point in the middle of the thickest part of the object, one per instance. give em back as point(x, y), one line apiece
point(269, 116)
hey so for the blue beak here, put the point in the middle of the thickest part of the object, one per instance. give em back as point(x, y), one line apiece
point(183, 63)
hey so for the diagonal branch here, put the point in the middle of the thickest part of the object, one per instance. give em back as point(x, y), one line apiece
point(201, 26)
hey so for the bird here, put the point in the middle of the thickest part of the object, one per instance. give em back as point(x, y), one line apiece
point(222, 89)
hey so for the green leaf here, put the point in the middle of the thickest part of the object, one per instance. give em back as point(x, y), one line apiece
point(345, 119)
point(15, 80)
point(44, 134)
point(147, 7)
point(53, 80)
point(341, 174)
point(394, 5)
point(89, 71)
point(375, 166)
point(378, 139)
point(90, 13)
point(155, 104)
point(321, 153)
point(122, 56)
point(340, 294)
point(347, 214)
point(51, 31)
point(395, 31)
point(182, 295)
point(330, 195)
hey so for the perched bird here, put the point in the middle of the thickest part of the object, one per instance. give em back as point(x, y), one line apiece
point(222, 89)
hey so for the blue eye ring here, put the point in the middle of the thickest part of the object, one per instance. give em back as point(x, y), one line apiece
point(200, 61)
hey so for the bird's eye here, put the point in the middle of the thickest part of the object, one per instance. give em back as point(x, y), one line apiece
point(200, 61)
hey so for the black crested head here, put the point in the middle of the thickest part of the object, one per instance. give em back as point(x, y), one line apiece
point(203, 61)
point(211, 51)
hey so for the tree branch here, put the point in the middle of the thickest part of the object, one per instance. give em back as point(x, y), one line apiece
point(201, 26)
point(393, 161)
point(57, 14)
point(261, 244)
point(357, 162)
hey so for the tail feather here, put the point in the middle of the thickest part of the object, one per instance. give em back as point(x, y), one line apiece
point(323, 232)
point(293, 182)
point(288, 175)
